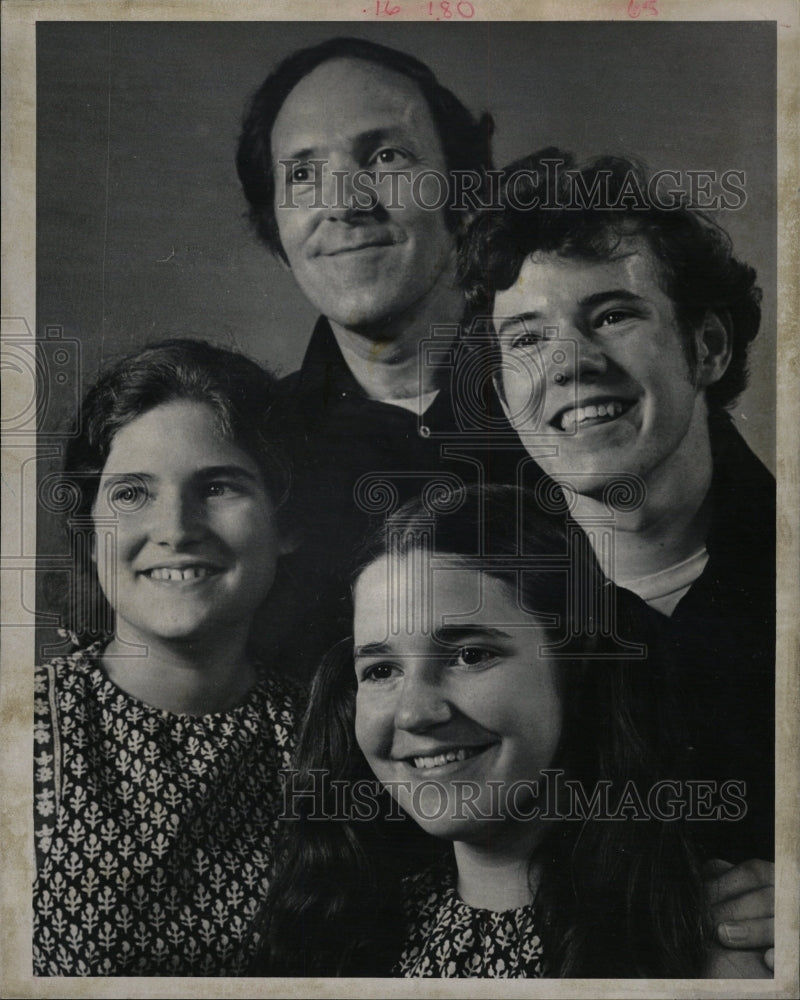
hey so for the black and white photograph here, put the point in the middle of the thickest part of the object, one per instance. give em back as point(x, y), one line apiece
point(400, 499)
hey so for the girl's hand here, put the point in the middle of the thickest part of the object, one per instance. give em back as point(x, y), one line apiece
point(742, 903)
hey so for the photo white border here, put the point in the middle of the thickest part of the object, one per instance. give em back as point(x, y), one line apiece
point(17, 309)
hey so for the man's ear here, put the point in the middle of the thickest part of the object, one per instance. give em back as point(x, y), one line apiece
point(465, 219)
point(288, 544)
point(714, 345)
point(289, 540)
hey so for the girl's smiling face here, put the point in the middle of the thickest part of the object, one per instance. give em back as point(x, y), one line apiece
point(457, 710)
point(186, 540)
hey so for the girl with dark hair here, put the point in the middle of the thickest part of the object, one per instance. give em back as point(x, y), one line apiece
point(524, 821)
point(159, 739)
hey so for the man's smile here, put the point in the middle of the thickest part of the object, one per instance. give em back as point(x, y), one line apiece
point(591, 413)
point(356, 244)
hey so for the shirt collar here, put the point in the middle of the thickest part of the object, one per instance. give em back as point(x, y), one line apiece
point(324, 368)
point(325, 375)
point(325, 372)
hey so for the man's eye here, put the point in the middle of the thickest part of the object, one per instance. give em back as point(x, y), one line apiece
point(302, 173)
point(220, 488)
point(388, 156)
point(474, 656)
point(614, 316)
point(376, 672)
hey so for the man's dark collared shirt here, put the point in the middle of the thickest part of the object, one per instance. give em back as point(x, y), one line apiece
point(357, 458)
point(722, 637)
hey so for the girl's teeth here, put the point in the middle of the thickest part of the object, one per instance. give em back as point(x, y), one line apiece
point(445, 758)
point(165, 574)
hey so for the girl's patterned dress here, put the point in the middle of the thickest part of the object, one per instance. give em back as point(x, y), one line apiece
point(154, 831)
point(447, 938)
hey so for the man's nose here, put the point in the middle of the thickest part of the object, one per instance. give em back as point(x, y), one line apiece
point(347, 189)
point(422, 702)
point(575, 355)
point(177, 518)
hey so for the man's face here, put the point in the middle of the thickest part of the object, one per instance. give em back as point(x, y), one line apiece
point(618, 396)
point(361, 267)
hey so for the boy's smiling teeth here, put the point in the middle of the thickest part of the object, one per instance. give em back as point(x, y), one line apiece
point(174, 575)
point(593, 411)
point(446, 758)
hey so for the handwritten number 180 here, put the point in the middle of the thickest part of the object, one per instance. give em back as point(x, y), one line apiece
point(444, 10)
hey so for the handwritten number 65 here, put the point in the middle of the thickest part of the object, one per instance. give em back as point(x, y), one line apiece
point(637, 7)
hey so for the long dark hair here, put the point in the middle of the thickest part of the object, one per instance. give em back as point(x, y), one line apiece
point(239, 392)
point(617, 898)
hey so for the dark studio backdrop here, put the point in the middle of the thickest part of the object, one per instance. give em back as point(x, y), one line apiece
point(141, 232)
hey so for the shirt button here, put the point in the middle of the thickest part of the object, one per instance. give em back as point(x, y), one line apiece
point(424, 431)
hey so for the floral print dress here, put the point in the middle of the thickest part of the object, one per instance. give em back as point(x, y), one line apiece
point(447, 938)
point(153, 830)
